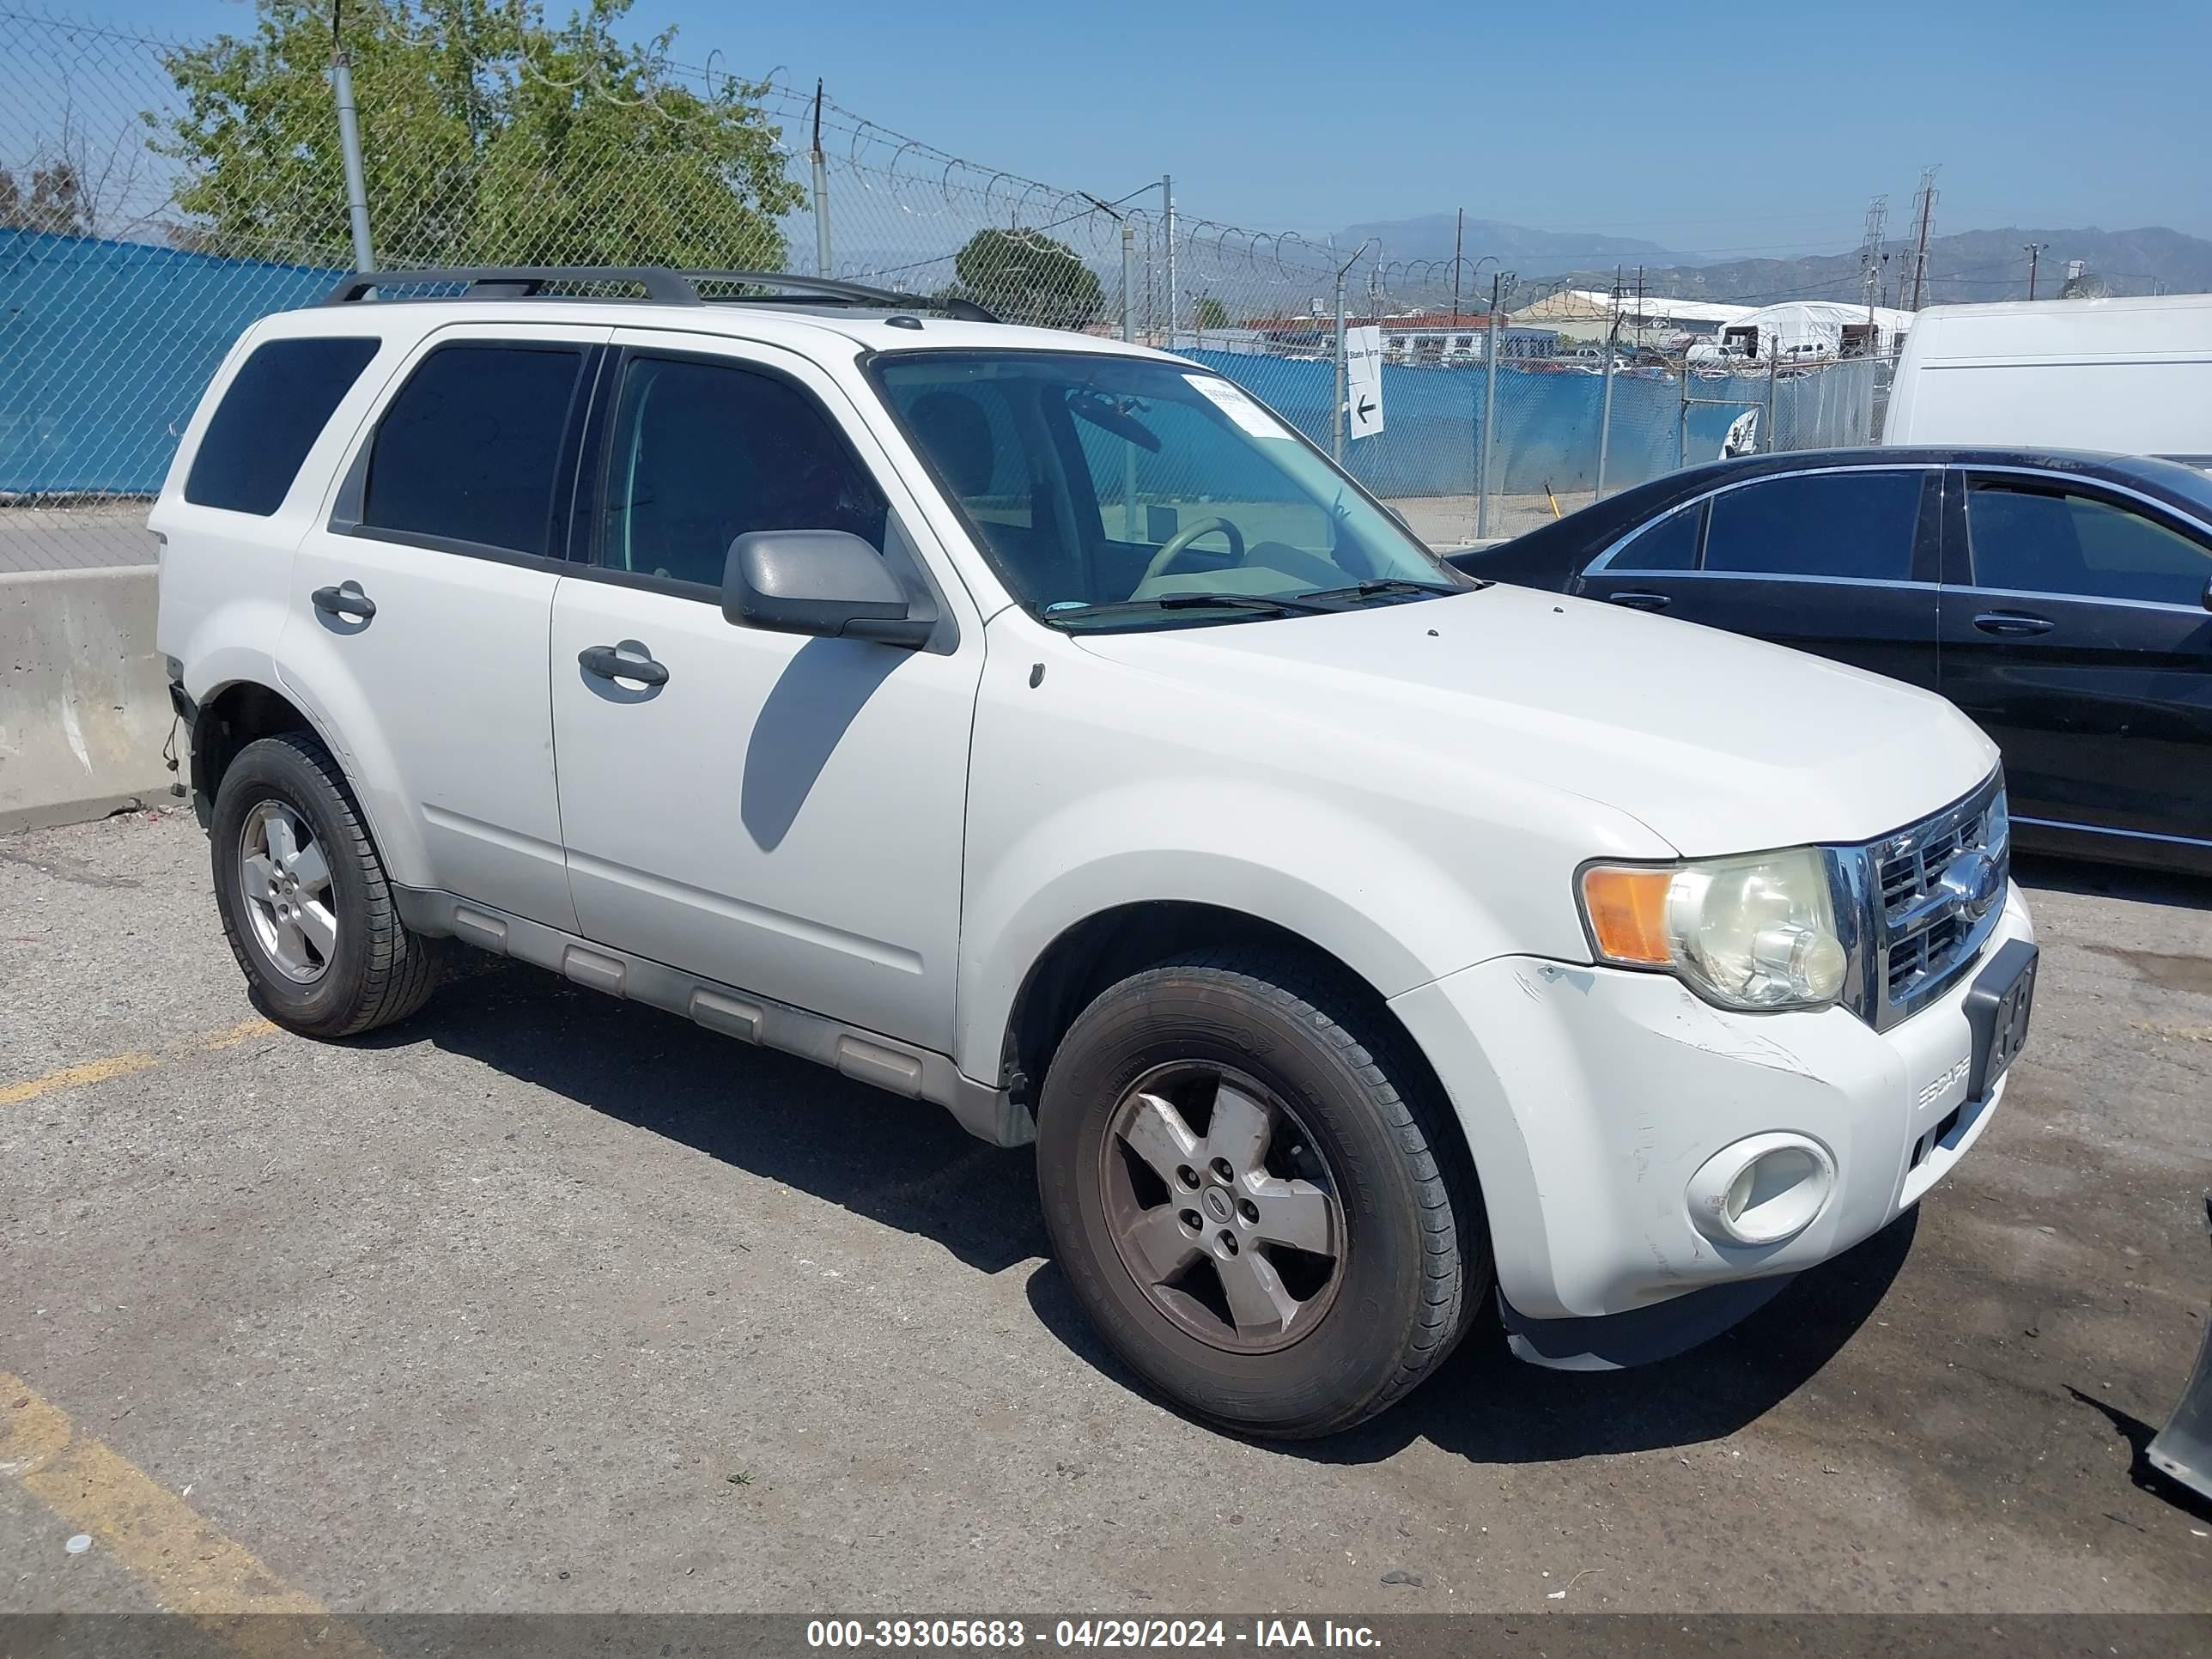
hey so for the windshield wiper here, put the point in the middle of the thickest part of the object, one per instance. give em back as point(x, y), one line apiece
point(1193, 602)
point(1373, 584)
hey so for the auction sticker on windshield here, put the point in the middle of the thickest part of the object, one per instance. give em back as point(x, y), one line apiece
point(1233, 401)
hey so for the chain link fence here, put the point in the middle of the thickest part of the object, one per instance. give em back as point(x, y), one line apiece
point(157, 195)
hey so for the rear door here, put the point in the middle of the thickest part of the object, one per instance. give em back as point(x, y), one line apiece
point(2075, 630)
point(416, 620)
point(1842, 562)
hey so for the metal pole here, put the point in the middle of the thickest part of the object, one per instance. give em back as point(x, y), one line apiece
point(1682, 432)
point(821, 192)
point(1336, 425)
point(1605, 404)
point(1489, 414)
point(1166, 203)
point(1774, 362)
point(1128, 332)
point(356, 178)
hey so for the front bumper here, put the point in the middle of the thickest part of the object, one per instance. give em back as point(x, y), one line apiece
point(1591, 1097)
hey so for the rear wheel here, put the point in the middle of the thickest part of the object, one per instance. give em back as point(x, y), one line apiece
point(304, 899)
point(1256, 1194)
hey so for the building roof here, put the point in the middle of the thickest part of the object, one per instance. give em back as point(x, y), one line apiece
point(1594, 305)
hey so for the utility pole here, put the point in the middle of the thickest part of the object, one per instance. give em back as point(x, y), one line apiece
point(1924, 206)
point(821, 193)
point(2034, 252)
point(1167, 207)
point(357, 179)
point(1639, 309)
point(1877, 219)
point(1459, 242)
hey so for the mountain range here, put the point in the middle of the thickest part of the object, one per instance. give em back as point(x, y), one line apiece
point(1963, 266)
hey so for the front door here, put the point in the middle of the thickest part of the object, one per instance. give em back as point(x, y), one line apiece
point(2074, 632)
point(416, 622)
point(1839, 563)
point(781, 813)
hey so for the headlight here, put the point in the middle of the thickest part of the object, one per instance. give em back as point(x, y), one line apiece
point(1745, 933)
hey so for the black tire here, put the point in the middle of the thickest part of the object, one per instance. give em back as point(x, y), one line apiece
point(1415, 1261)
point(378, 971)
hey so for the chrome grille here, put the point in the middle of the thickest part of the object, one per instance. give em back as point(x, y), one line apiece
point(1927, 926)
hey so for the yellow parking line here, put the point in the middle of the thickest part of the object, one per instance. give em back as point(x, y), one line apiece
point(191, 1568)
point(115, 1065)
point(243, 1031)
point(75, 1077)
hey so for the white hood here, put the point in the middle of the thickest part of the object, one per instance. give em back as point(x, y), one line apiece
point(1718, 743)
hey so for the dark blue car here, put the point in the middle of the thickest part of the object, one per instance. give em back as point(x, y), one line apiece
point(2063, 600)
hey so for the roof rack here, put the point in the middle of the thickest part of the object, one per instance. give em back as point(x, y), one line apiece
point(660, 285)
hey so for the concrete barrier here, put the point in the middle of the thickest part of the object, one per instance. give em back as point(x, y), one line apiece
point(84, 699)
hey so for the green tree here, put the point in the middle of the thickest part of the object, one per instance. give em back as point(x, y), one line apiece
point(54, 203)
point(1026, 276)
point(1211, 313)
point(489, 138)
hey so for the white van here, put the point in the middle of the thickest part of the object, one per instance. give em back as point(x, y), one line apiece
point(2131, 375)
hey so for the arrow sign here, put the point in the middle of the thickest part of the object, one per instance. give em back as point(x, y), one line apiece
point(1362, 380)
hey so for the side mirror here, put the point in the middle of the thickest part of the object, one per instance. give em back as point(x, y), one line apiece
point(823, 582)
point(2205, 598)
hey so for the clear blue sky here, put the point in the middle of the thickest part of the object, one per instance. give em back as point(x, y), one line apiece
point(1725, 128)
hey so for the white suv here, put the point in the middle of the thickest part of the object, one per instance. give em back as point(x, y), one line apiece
point(1036, 726)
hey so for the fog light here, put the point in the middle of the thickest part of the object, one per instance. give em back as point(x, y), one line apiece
point(1762, 1189)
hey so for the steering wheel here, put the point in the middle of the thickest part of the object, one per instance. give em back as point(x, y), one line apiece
point(1172, 549)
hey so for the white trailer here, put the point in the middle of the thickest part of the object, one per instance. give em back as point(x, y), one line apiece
point(2133, 375)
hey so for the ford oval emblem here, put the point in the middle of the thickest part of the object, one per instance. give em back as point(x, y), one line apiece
point(1974, 883)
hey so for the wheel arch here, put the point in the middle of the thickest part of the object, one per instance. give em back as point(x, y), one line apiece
point(1105, 947)
point(250, 706)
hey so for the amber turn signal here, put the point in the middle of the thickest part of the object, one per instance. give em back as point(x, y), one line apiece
point(1627, 912)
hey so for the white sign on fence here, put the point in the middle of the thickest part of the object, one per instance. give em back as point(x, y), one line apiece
point(1362, 380)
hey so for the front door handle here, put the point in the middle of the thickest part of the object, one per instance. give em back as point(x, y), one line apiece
point(610, 663)
point(2013, 622)
point(346, 599)
point(1641, 600)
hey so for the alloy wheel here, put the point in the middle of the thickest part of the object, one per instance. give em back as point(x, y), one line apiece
point(1222, 1207)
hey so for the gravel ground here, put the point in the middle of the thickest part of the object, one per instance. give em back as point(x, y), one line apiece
point(542, 1301)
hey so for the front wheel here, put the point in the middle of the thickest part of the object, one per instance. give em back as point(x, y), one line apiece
point(304, 898)
point(1255, 1193)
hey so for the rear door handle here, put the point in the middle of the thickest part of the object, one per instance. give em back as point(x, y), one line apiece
point(610, 663)
point(2013, 622)
point(346, 599)
point(1641, 600)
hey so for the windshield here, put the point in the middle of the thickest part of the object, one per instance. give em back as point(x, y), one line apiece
point(1125, 491)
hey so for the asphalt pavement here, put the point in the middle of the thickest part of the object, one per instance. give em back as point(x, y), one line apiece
point(542, 1301)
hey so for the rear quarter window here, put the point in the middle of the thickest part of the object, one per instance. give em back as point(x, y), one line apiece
point(271, 413)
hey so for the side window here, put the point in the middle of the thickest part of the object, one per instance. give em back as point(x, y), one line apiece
point(1824, 523)
point(271, 416)
point(1669, 544)
point(469, 450)
point(2038, 540)
point(700, 453)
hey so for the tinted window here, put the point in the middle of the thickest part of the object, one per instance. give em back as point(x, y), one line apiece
point(1828, 524)
point(269, 418)
point(701, 454)
point(2046, 541)
point(468, 450)
point(1669, 544)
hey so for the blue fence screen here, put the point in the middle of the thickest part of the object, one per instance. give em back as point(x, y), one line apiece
point(106, 347)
